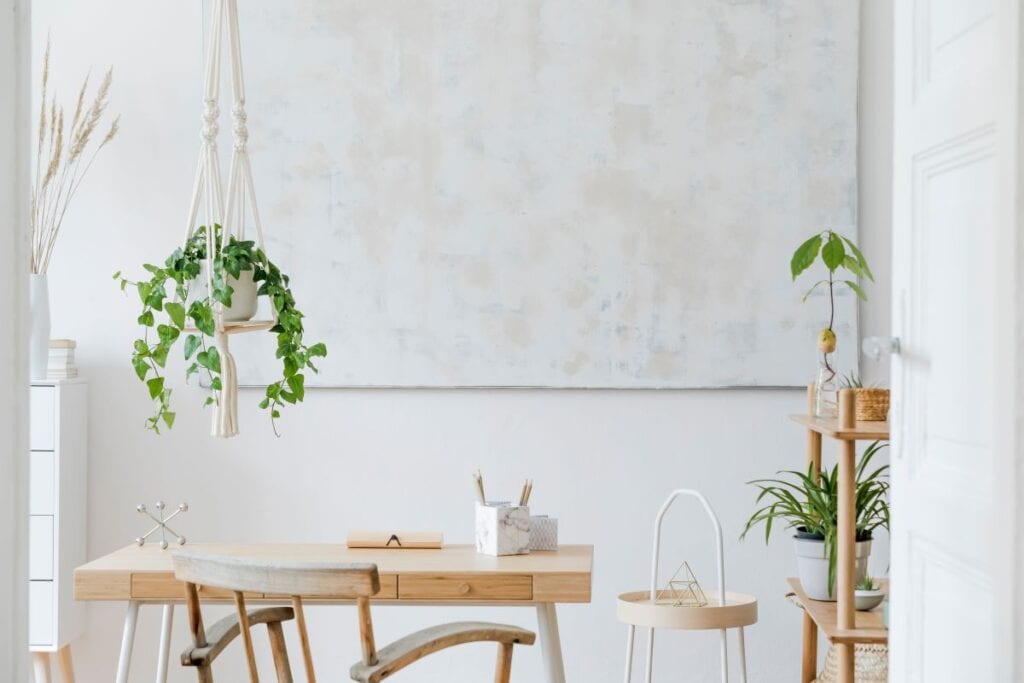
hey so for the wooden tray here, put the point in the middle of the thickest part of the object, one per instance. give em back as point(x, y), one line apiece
point(637, 608)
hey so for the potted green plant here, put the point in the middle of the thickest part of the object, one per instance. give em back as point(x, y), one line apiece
point(809, 504)
point(868, 594)
point(177, 302)
point(837, 253)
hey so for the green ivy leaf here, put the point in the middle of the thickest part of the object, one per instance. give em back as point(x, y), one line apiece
point(264, 403)
point(167, 334)
point(146, 319)
point(159, 355)
point(177, 314)
point(216, 384)
point(156, 386)
point(297, 383)
point(833, 252)
point(192, 342)
point(169, 419)
point(804, 255)
point(144, 290)
point(318, 350)
point(141, 366)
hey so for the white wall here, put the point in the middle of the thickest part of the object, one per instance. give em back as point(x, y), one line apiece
point(874, 169)
point(14, 17)
point(602, 460)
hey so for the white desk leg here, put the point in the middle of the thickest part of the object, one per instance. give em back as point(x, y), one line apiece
point(165, 643)
point(127, 642)
point(630, 638)
point(550, 643)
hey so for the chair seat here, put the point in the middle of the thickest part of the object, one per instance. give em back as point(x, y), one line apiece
point(414, 646)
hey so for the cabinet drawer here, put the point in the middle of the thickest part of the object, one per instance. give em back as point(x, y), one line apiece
point(42, 417)
point(466, 587)
point(40, 548)
point(42, 483)
point(40, 613)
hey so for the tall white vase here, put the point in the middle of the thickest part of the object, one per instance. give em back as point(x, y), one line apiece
point(39, 337)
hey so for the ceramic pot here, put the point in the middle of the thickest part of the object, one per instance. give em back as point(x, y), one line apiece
point(865, 600)
point(812, 565)
point(39, 332)
point(243, 297)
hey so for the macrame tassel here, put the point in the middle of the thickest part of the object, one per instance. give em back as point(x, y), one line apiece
point(225, 416)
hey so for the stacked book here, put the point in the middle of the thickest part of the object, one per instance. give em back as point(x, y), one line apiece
point(61, 363)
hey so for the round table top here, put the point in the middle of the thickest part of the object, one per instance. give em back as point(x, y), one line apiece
point(638, 609)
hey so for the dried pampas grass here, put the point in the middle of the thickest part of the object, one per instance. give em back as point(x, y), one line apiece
point(67, 158)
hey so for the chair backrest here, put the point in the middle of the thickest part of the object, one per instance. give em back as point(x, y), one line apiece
point(276, 576)
point(293, 578)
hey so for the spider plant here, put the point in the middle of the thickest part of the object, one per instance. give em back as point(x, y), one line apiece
point(810, 503)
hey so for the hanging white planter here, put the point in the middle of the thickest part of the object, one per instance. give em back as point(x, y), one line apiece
point(244, 302)
point(241, 195)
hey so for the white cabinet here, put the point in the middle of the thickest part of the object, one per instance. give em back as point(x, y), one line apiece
point(57, 439)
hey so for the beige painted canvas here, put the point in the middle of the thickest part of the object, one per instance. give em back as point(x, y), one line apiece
point(552, 193)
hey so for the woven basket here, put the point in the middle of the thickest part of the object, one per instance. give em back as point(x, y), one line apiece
point(870, 664)
point(872, 404)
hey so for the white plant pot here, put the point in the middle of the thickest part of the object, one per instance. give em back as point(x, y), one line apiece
point(39, 333)
point(812, 566)
point(243, 297)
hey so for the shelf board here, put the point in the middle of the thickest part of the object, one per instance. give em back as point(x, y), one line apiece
point(241, 326)
point(829, 426)
point(869, 627)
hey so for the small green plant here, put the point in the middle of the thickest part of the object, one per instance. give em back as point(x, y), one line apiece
point(168, 312)
point(866, 584)
point(838, 254)
point(810, 503)
point(853, 381)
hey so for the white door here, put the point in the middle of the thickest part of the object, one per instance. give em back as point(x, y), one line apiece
point(954, 246)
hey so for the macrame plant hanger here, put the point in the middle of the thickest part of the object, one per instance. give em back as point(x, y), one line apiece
point(240, 194)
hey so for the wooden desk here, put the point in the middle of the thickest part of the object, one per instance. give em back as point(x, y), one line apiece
point(454, 575)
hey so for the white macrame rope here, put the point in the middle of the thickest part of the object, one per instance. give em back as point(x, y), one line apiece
point(208, 190)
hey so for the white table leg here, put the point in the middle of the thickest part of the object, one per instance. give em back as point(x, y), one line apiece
point(550, 643)
point(743, 658)
point(630, 638)
point(127, 642)
point(650, 655)
point(725, 656)
point(164, 654)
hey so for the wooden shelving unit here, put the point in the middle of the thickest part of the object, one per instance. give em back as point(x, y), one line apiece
point(839, 621)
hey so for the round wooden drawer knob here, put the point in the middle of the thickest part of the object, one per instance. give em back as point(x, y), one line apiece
point(464, 588)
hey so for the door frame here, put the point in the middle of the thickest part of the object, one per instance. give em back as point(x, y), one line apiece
point(15, 75)
point(1008, 563)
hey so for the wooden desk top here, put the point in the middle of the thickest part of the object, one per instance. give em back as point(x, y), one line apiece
point(455, 574)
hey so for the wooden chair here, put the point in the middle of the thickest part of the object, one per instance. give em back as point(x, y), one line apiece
point(307, 579)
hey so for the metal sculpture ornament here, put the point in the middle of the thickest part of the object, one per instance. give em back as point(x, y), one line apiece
point(161, 524)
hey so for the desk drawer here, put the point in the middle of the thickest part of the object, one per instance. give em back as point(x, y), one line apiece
point(40, 613)
point(42, 417)
point(465, 587)
point(165, 586)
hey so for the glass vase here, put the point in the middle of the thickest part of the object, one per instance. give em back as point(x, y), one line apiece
point(826, 387)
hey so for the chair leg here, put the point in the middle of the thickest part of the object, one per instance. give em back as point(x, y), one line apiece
point(503, 670)
point(280, 652)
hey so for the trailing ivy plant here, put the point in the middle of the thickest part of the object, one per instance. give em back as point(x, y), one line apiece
point(838, 253)
point(168, 313)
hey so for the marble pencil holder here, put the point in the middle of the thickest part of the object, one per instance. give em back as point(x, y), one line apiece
point(502, 528)
point(543, 532)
